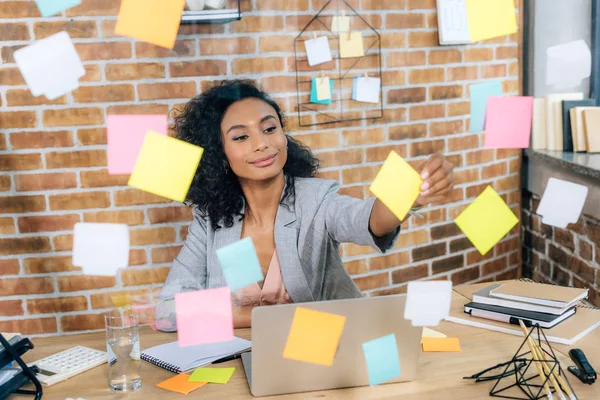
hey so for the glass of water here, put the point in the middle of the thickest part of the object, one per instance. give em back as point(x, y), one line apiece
point(123, 348)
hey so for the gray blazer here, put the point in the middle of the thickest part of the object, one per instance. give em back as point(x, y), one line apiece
point(307, 237)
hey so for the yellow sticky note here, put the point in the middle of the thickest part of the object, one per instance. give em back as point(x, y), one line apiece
point(486, 220)
point(397, 185)
point(165, 166)
point(323, 89)
point(180, 384)
point(153, 21)
point(314, 336)
point(431, 333)
point(351, 46)
point(121, 300)
point(441, 344)
point(491, 18)
point(340, 24)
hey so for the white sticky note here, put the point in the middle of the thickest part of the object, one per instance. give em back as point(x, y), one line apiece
point(318, 50)
point(562, 203)
point(453, 22)
point(340, 24)
point(50, 66)
point(368, 89)
point(568, 64)
point(427, 303)
point(100, 248)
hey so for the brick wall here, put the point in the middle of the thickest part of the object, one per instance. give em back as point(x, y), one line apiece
point(568, 257)
point(53, 154)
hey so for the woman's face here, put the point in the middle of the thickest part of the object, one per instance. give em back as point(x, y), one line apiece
point(253, 140)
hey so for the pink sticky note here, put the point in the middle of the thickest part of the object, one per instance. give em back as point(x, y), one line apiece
point(508, 122)
point(125, 135)
point(204, 316)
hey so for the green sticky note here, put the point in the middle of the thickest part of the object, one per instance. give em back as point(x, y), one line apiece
point(212, 375)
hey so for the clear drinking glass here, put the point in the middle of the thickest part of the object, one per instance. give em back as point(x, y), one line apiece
point(123, 348)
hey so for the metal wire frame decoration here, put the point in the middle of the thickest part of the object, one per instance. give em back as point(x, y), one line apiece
point(342, 107)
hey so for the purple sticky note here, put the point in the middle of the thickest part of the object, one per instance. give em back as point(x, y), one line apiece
point(508, 122)
point(125, 135)
point(204, 316)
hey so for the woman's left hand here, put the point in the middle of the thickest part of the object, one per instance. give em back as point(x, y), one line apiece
point(438, 180)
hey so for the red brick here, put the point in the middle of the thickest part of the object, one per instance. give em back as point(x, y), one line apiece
point(77, 283)
point(21, 204)
point(138, 109)
point(478, 54)
point(372, 281)
point(49, 265)
point(82, 322)
point(5, 183)
point(91, 136)
point(11, 308)
point(40, 139)
point(132, 197)
point(380, 153)
point(168, 90)
point(129, 217)
point(405, 21)
point(20, 162)
point(13, 246)
point(423, 39)
point(73, 117)
point(182, 48)
point(335, 158)
point(26, 286)
point(78, 201)
point(62, 242)
point(257, 65)
point(445, 128)
point(462, 73)
point(103, 51)
point(94, 8)
point(165, 254)
point(101, 178)
point(447, 264)
point(198, 68)
point(76, 29)
point(466, 275)
point(404, 132)
point(34, 182)
point(169, 214)
point(56, 305)
point(17, 119)
point(103, 94)
point(417, 76)
point(449, 56)
point(427, 112)
point(411, 273)
point(227, 46)
point(18, 9)
point(137, 71)
point(17, 31)
point(429, 251)
point(406, 95)
point(76, 159)
point(140, 237)
point(493, 71)
point(30, 326)
point(445, 92)
point(23, 97)
point(9, 267)
point(135, 277)
point(406, 59)
point(47, 223)
point(389, 261)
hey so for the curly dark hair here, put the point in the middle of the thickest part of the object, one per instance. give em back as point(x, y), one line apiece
point(215, 189)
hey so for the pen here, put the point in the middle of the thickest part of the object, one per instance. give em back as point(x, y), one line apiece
point(537, 363)
point(228, 358)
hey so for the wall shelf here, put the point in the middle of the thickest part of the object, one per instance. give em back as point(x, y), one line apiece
point(232, 12)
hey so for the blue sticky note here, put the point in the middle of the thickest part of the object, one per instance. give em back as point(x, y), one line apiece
point(240, 264)
point(382, 359)
point(479, 96)
point(313, 92)
point(53, 7)
point(355, 88)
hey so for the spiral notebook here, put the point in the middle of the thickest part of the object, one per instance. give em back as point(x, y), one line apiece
point(183, 359)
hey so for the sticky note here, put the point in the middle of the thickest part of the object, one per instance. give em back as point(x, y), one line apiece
point(240, 264)
point(120, 300)
point(125, 135)
point(54, 56)
point(100, 248)
point(562, 202)
point(323, 88)
point(479, 96)
point(314, 336)
point(204, 316)
point(508, 122)
point(165, 166)
point(340, 24)
point(453, 24)
point(431, 333)
point(427, 302)
point(487, 220)
point(368, 89)
point(180, 384)
point(491, 18)
point(317, 50)
point(153, 21)
point(397, 185)
point(441, 344)
point(313, 92)
point(568, 64)
point(212, 375)
point(354, 87)
point(381, 356)
point(351, 45)
point(53, 7)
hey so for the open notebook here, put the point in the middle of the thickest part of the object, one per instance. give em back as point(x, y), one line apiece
point(585, 320)
point(182, 359)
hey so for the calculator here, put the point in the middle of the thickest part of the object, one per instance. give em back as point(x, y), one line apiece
point(66, 364)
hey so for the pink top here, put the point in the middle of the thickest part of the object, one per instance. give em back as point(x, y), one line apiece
point(272, 292)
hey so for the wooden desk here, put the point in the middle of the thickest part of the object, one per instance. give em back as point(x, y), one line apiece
point(440, 374)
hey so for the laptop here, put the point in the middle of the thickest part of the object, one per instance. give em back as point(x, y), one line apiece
point(268, 373)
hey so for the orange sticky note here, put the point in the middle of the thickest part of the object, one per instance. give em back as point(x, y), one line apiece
point(314, 336)
point(180, 384)
point(440, 344)
point(153, 21)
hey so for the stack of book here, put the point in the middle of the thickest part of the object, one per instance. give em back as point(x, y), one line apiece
point(529, 302)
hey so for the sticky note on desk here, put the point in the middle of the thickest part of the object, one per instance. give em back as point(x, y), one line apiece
point(212, 375)
point(351, 45)
point(381, 356)
point(440, 344)
point(508, 122)
point(487, 220)
point(314, 336)
point(204, 316)
point(153, 21)
point(180, 384)
point(313, 92)
point(397, 185)
point(491, 18)
point(125, 135)
point(427, 303)
point(53, 7)
point(479, 97)
point(240, 264)
point(165, 166)
point(431, 333)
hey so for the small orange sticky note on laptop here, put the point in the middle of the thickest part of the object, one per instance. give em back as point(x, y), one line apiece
point(180, 384)
point(431, 344)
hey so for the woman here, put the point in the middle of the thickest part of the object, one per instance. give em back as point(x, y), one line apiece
point(256, 181)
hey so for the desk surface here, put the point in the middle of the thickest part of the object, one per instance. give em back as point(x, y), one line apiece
point(440, 374)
